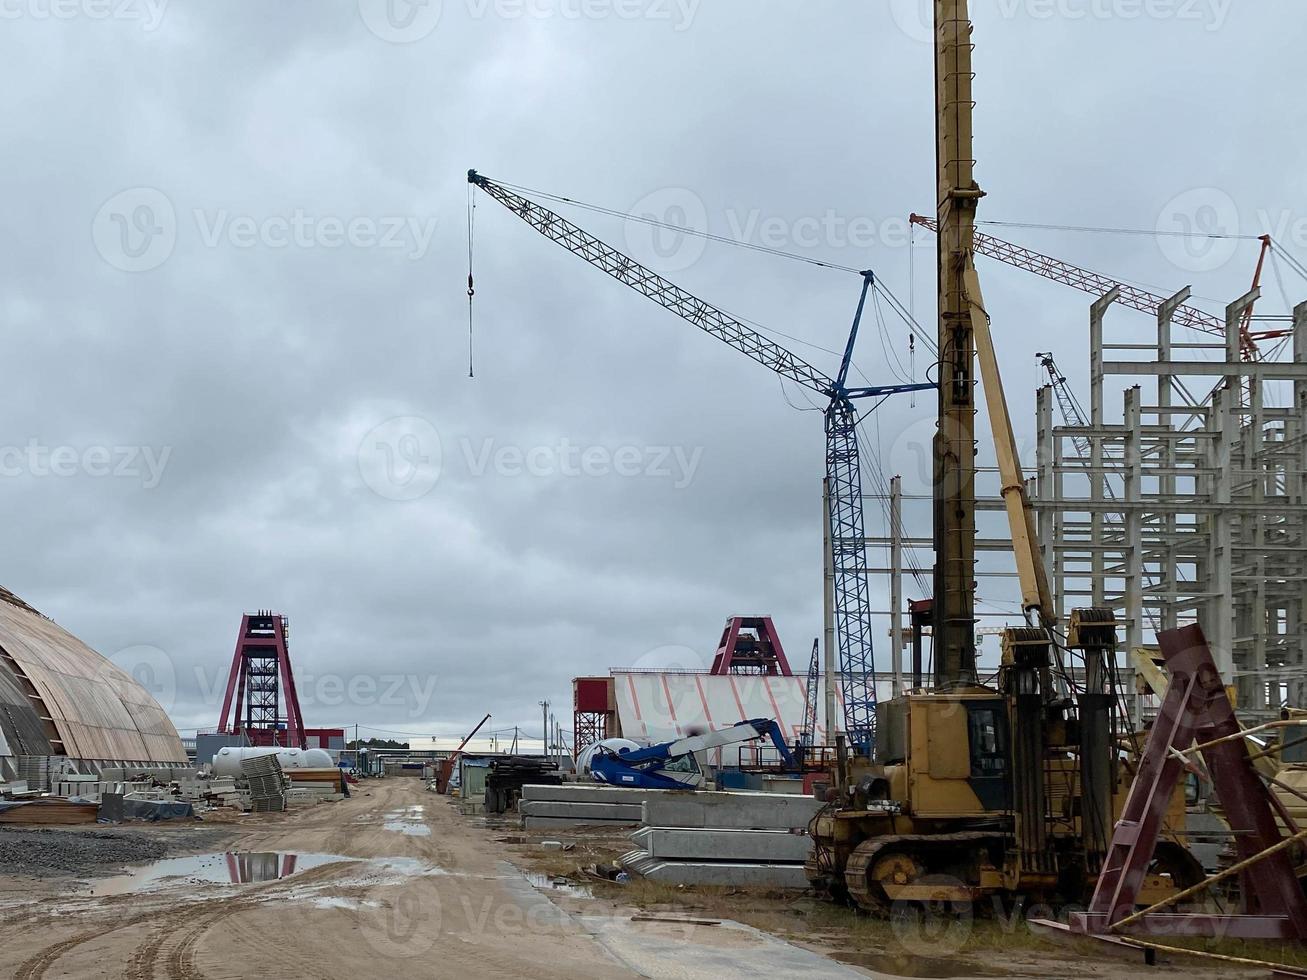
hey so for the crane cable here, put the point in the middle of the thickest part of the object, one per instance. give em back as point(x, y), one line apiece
point(681, 229)
point(769, 332)
point(471, 288)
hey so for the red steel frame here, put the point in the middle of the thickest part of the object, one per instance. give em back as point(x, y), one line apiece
point(729, 660)
point(1197, 709)
point(249, 641)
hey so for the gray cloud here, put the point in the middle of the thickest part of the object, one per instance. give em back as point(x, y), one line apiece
point(263, 366)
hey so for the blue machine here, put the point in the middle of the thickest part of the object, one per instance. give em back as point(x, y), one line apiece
point(672, 765)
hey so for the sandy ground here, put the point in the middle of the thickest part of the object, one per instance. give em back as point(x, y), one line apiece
point(395, 883)
point(428, 896)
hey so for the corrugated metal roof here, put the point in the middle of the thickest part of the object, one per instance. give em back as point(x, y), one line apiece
point(664, 705)
point(98, 710)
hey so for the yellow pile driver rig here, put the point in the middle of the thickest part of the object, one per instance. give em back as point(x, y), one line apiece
point(979, 791)
point(973, 790)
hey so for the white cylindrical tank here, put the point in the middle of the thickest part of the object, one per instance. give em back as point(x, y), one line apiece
point(227, 762)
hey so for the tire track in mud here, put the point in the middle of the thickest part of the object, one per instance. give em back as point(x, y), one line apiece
point(35, 967)
point(181, 961)
point(174, 943)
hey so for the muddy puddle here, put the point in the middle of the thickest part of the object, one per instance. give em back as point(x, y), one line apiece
point(409, 821)
point(220, 868)
point(560, 886)
point(915, 967)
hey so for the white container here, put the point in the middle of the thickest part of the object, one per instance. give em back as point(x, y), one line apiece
point(227, 762)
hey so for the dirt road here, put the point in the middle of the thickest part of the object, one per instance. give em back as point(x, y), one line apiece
point(390, 883)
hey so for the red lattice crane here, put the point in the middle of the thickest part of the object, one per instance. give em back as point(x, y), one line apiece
point(1131, 296)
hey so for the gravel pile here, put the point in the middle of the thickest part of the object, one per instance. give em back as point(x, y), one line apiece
point(51, 853)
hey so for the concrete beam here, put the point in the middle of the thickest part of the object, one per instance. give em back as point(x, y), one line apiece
point(686, 844)
point(1263, 370)
point(759, 811)
point(724, 874)
point(587, 793)
point(562, 823)
point(580, 811)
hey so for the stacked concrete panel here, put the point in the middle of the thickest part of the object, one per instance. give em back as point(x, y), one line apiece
point(724, 839)
point(744, 811)
point(580, 804)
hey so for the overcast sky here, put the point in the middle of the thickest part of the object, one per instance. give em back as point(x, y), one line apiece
point(233, 296)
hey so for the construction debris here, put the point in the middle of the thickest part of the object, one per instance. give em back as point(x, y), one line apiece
point(268, 784)
point(508, 776)
point(577, 804)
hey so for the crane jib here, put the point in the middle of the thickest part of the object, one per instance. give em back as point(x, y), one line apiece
point(851, 600)
point(645, 281)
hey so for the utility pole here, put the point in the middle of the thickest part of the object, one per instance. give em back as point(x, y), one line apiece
point(955, 442)
point(544, 730)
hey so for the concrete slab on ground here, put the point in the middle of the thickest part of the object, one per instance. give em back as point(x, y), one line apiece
point(578, 811)
point(556, 823)
point(724, 874)
point(704, 844)
point(587, 793)
point(758, 811)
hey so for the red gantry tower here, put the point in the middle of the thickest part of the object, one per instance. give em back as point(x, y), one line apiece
point(261, 683)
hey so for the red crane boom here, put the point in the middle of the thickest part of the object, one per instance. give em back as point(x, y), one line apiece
point(1099, 285)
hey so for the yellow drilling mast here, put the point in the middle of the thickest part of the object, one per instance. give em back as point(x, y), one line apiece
point(955, 442)
point(979, 790)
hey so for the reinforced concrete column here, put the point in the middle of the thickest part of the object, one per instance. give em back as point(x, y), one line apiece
point(1231, 524)
point(1170, 578)
point(1132, 547)
point(1219, 625)
point(1253, 531)
point(1096, 461)
point(1296, 490)
point(1048, 492)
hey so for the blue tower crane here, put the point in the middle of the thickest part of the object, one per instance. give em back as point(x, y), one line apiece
point(852, 603)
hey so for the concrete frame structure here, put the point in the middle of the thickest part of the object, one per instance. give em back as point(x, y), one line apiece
point(1192, 507)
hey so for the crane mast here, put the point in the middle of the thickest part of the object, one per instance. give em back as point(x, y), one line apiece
point(955, 442)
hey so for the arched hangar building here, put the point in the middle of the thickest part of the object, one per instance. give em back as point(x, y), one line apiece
point(59, 698)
